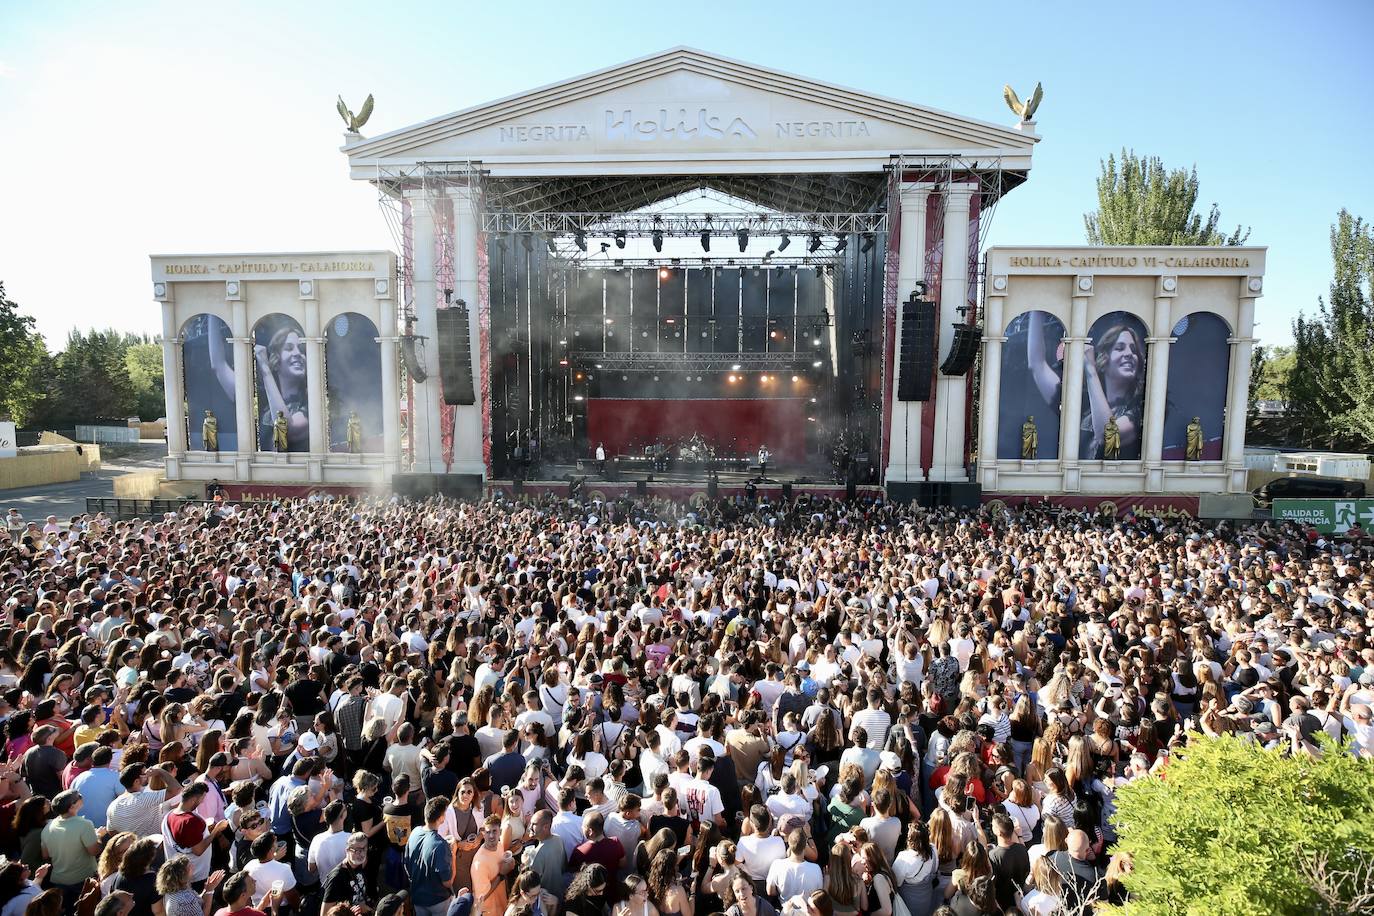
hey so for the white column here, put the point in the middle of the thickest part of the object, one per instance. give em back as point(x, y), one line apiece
point(1156, 391)
point(244, 419)
point(1071, 388)
point(990, 404)
point(391, 391)
point(424, 413)
point(314, 390)
point(173, 387)
point(1238, 398)
point(904, 439)
point(467, 419)
point(947, 453)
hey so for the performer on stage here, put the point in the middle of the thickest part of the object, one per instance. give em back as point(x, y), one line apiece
point(764, 455)
point(601, 459)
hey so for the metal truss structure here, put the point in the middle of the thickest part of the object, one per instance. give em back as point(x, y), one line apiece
point(822, 260)
point(692, 362)
point(644, 225)
point(835, 193)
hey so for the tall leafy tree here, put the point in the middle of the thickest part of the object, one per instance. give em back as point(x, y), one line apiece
point(91, 379)
point(22, 358)
point(143, 360)
point(1330, 390)
point(1140, 202)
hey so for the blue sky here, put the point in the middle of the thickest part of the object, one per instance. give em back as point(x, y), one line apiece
point(139, 127)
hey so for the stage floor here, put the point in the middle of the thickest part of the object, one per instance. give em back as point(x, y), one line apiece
point(689, 484)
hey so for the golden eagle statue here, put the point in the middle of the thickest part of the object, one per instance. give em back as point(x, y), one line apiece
point(355, 121)
point(1025, 109)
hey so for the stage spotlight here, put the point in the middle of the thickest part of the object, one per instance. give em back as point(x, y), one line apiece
point(816, 365)
point(867, 246)
point(742, 236)
point(735, 367)
point(841, 242)
point(706, 240)
point(815, 244)
point(816, 342)
point(732, 379)
point(580, 238)
point(658, 239)
point(620, 238)
point(764, 379)
point(795, 379)
point(782, 245)
point(605, 247)
point(577, 397)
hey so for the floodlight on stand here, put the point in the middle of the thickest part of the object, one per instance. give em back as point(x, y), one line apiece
point(815, 244)
point(742, 235)
point(782, 245)
point(620, 238)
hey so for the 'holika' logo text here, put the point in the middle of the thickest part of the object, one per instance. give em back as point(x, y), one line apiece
point(700, 124)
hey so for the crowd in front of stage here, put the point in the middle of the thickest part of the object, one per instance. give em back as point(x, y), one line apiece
point(635, 709)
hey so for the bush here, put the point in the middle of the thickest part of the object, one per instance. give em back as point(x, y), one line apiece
point(1233, 828)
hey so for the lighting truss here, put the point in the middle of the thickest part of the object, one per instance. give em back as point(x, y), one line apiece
point(692, 362)
point(608, 261)
point(684, 225)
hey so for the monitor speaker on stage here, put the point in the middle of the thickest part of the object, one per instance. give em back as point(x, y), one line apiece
point(916, 361)
point(963, 350)
point(455, 355)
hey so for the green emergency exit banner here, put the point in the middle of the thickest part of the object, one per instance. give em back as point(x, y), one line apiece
point(1329, 516)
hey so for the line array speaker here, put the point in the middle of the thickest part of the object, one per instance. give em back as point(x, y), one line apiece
point(455, 355)
point(963, 350)
point(415, 368)
point(916, 361)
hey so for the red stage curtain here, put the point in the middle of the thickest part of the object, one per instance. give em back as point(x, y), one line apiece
point(625, 425)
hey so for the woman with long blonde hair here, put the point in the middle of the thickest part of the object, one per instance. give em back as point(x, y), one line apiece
point(1055, 838)
point(842, 888)
point(1078, 762)
point(1043, 897)
point(944, 837)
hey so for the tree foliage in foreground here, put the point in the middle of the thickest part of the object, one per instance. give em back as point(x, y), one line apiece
point(1235, 829)
point(1140, 202)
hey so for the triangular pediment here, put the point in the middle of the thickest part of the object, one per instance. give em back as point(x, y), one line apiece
point(690, 105)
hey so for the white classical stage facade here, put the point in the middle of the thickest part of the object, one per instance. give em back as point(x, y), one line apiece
point(1156, 297)
point(247, 298)
point(544, 162)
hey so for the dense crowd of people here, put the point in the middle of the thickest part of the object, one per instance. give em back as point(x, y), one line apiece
point(640, 709)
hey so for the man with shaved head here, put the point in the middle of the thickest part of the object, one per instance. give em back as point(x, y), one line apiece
point(1076, 869)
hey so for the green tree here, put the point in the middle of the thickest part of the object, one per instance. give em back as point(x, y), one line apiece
point(90, 379)
point(1270, 378)
point(1330, 389)
point(1233, 828)
point(144, 363)
point(22, 358)
point(1140, 202)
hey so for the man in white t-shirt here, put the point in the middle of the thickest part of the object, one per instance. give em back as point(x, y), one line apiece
point(793, 876)
point(700, 798)
point(267, 870)
point(757, 851)
point(328, 849)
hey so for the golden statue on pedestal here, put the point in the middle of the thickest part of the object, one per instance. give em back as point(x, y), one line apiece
point(279, 428)
point(1030, 440)
point(209, 432)
point(354, 433)
point(1194, 445)
point(1111, 440)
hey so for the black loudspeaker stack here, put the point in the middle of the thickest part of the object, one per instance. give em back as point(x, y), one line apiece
point(916, 361)
point(455, 355)
point(934, 494)
point(787, 491)
point(963, 350)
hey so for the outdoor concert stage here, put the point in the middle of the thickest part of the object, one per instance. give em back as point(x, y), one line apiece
point(691, 257)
